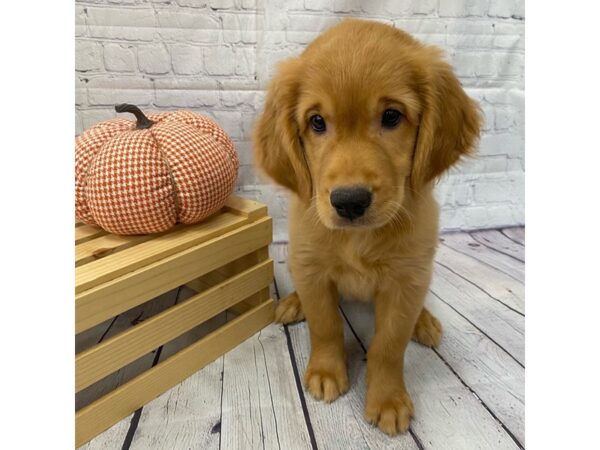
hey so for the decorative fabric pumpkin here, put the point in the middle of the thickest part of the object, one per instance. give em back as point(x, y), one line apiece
point(146, 176)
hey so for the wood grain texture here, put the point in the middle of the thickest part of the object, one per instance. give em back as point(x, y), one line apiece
point(189, 414)
point(447, 414)
point(114, 353)
point(501, 324)
point(340, 424)
point(105, 245)
point(496, 284)
point(468, 393)
point(122, 323)
point(498, 241)
point(86, 232)
point(113, 297)
point(112, 438)
point(517, 234)
point(497, 379)
point(127, 398)
point(464, 243)
point(261, 407)
point(246, 207)
point(159, 247)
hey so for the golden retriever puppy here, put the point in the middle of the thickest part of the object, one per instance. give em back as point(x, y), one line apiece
point(358, 128)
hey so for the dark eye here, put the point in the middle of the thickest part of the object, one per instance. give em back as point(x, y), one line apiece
point(390, 118)
point(317, 123)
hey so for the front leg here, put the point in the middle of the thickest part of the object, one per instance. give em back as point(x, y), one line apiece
point(326, 376)
point(397, 308)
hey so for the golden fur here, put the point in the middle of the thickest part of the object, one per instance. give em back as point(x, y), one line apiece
point(349, 75)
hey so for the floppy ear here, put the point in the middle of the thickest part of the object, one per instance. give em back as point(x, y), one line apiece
point(449, 126)
point(277, 147)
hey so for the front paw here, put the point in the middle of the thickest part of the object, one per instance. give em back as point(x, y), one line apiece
point(428, 330)
point(390, 412)
point(326, 381)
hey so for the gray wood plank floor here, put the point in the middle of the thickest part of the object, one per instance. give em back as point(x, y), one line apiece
point(468, 393)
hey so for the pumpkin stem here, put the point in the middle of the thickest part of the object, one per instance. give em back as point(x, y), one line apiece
point(142, 121)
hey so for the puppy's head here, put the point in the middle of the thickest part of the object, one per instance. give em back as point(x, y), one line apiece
point(365, 118)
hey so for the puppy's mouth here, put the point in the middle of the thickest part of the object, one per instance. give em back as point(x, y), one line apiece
point(354, 208)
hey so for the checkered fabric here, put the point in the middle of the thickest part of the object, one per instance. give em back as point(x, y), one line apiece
point(129, 181)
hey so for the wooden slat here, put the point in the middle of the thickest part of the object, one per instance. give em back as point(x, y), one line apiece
point(248, 208)
point(86, 232)
point(517, 234)
point(488, 279)
point(124, 400)
point(465, 244)
point(188, 415)
point(122, 323)
point(447, 414)
point(503, 325)
point(94, 273)
point(259, 372)
point(112, 438)
point(234, 267)
point(112, 354)
point(222, 273)
point(495, 240)
point(106, 245)
point(118, 295)
point(496, 378)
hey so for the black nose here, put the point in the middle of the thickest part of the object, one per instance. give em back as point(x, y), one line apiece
point(350, 202)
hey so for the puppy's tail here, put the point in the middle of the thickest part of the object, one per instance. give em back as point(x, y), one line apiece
point(289, 310)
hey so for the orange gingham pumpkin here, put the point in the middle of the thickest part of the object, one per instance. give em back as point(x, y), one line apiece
point(146, 176)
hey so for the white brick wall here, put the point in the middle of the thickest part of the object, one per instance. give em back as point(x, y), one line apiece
point(216, 57)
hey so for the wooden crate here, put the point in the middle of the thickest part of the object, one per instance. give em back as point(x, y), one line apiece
point(224, 260)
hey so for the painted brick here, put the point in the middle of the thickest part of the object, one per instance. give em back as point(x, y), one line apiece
point(220, 61)
point(187, 59)
point(504, 9)
point(89, 56)
point(241, 27)
point(463, 8)
point(347, 5)
point(118, 17)
point(245, 61)
point(230, 121)
point(216, 57)
point(111, 97)
point(154, 59)
point(119, 58)
point(221, 4)
point(191, 3)
point(93, 116)
point(191, 35)
point(318, 5)
point(175, 19)
point(424, 6)
point(175, 98)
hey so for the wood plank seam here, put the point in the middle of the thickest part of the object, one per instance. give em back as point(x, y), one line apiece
point(127, 398)
point(113, 297)
point(101, 360)
point(502, 230)
point(478, 328)
point(488, 409)
point(160, 247)
point(480, 288)
point(482, 262)
point(300, 391)
point(482, 242)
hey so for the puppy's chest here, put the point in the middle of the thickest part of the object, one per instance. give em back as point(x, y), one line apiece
point(357, 273)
